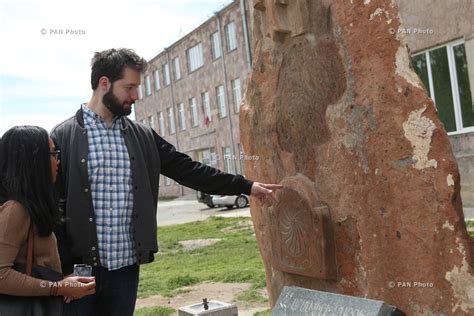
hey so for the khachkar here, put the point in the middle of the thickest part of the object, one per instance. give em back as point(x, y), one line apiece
point(371, 205)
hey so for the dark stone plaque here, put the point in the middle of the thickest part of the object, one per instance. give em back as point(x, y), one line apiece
point(302, 236)
point(300, 301)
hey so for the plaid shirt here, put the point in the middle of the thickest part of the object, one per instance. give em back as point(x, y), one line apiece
point(110, 178)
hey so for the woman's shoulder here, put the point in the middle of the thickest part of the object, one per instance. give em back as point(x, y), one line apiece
point(13, 211)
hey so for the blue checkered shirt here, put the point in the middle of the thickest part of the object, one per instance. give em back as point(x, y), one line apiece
point(110, 178)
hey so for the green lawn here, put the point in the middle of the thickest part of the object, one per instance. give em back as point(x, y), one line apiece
point(154, 311)
point(470, 227)
point(235, 258)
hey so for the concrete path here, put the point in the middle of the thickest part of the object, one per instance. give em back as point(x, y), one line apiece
point(182, 211)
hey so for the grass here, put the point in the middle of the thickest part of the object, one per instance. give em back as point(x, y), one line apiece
point(154, 311)
point(235, 258)
point(470, 228)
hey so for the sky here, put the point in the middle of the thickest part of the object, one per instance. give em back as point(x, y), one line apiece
point(47, 46)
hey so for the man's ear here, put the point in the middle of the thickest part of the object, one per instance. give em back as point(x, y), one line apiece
point(104, 83)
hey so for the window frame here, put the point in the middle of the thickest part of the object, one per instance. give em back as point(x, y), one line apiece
point(234, 94)
point(194, 112)
point(181, 117)
point(147, 85)
point(222, 108)
point(454, 83)
point(206, 106)
point(156, 79)
point(177, 68)
point(171, 125)
point(166, 74)
point(216, 35)
point(161, 123)
point(227, 37)
point(190, 57)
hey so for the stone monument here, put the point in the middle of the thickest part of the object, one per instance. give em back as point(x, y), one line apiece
point(371, 204)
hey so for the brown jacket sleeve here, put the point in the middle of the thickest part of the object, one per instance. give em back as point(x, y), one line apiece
point(14, 226)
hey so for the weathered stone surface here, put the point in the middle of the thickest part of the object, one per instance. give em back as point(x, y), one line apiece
point(333, 105)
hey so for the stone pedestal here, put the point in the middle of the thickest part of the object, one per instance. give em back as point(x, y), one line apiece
point(214, 308)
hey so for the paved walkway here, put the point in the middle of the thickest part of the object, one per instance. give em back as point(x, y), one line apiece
point(469, 213)
point(182, 211)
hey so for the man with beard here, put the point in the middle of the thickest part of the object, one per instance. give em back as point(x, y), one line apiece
point(108, 185)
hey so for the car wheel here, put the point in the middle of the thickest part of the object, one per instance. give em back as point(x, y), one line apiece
point(210, 205)
point(241, 201)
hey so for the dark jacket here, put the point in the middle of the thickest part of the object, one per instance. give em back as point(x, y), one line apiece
point(150, 155)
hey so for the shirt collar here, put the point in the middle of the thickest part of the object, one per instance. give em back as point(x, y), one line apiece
point(90, 117)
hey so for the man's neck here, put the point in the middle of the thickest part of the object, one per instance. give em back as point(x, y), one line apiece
point(99, 108)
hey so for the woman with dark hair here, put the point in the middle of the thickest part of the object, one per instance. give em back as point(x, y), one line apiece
point(28, 167)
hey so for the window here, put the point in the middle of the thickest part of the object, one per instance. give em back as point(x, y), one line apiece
point(177, 70)
point(151, 121)
point(204, 156)
point(161, 122)
point(228, 160)
point(171, 126)
point(195, 59)
point(156, 79)
point(236, 94)
point(444, 73)
point(166, 74)
point(182, 117)
point(231, 39)
point(216, 45)
point(167, 181)
point(221, 101)
point(194, 113)
point(143, 121)
point(147, 85)
point(206, 107)
point(140, 92)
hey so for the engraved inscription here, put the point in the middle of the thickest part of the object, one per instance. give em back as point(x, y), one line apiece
point(300, 306)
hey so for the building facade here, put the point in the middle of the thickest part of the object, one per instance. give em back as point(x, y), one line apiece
point(440, 36)
point(192, 90)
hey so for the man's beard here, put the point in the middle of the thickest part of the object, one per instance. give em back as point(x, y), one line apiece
point(113, 104)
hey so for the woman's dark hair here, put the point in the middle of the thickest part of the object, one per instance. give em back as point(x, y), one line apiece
point(25, 175)
point(112, 62)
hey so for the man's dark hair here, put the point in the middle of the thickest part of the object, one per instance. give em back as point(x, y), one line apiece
point(112, 62)
point(25, 175)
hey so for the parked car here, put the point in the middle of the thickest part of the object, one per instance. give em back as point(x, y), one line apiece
point(230, 201)
point(205, 198)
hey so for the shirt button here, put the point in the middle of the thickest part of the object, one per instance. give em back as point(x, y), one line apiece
point(110, 229)
point(95, 264)
point(111, 209)
point(86, 190)
point(83, 160)
point(93, 248)
point(111, 188)
point(91, 219)
point(95, 259)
